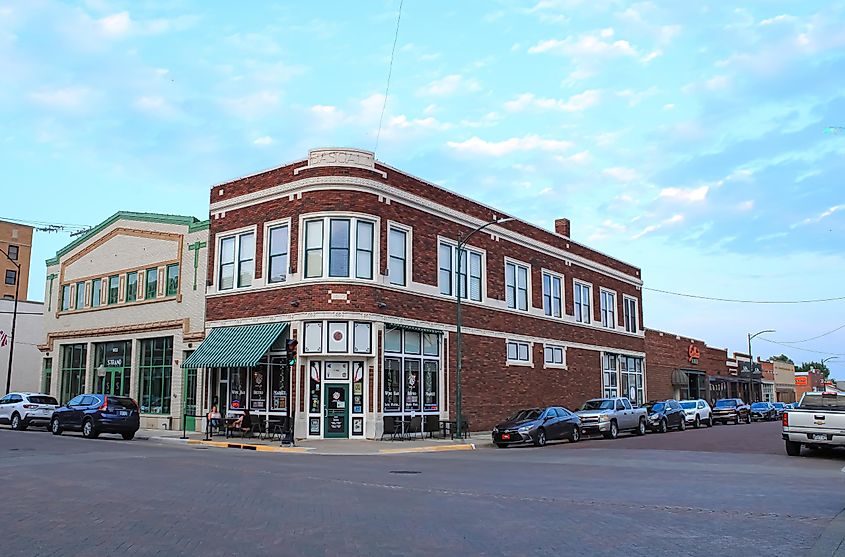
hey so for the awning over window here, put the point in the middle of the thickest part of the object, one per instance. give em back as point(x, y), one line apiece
point(412, 328)
point(240, 346)
point(679, 378)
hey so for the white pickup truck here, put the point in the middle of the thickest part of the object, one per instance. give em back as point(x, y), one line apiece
point(818, 421)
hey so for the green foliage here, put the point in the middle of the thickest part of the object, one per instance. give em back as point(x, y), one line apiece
point(818, 366)
point(781, 358)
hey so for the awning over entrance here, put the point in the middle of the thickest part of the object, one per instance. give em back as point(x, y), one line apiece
point(412, 328)
point(679, 378)
point(239, 346)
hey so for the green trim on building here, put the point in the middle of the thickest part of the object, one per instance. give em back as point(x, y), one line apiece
point(193, 224)
point(236, 346)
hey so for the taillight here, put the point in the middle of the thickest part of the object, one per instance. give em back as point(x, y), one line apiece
point(786, 419)
point(105, 404)
point(30, 406)
point(135, 403)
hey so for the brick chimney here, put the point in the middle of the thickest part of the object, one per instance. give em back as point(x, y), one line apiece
point(562, 227)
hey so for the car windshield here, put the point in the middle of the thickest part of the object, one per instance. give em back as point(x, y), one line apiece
point(600, 404)
point(759, 406)
point(42, 399)
point(688, 405)
point(823, 402)
point(523, 415)
point(656, 407)
point(725, 404)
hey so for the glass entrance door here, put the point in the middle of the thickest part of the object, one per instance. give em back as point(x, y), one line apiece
point(336, 411)
point(113, 382)
point(190, 398)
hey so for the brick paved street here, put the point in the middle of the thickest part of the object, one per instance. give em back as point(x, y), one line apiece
point(71, 496)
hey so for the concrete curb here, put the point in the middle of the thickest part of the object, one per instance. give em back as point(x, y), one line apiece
point(249, 447)
point(831, 542)
point(432, 449)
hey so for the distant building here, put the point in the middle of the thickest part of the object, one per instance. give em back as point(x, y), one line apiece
point(768, 380)
point(15, 240)
point(26, 365)
point(784, 381)
point(682, 367)
point(806, 381)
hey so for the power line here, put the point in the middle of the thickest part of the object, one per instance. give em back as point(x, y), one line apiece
point(802, 349)
point(815, 337)
point(44, 223)
point(741, 301)
point(389, 73)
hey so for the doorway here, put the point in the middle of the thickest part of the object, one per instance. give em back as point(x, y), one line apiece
point(113, 381)
point(336, 411)
point(190, 398)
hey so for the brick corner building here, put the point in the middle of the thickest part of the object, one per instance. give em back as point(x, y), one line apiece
point(683, 368)
point(358, 262)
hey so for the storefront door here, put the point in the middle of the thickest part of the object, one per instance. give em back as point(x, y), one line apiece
point(336, 411)
point(190, 398)
point(112, 383)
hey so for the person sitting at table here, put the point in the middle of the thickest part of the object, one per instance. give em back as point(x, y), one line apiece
point(244, 422)
point(214, 417)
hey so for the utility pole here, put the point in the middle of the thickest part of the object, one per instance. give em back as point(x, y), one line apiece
point(751, 366)
point(14, 318)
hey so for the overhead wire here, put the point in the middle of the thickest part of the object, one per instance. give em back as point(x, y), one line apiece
point(389, 74)
point(802, 349)
point(745, 301)
point(813, 338)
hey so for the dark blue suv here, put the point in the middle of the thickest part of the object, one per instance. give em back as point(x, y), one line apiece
point(96, 414)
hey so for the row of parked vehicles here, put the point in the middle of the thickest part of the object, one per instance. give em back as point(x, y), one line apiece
point(611, 416)
point(92, 414)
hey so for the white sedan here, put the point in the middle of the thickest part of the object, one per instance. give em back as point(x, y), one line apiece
point(697, 412)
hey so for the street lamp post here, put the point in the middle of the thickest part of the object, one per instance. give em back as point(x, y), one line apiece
point(751, 366)
point(462, 242)
point(14, 318)
point(824, 360)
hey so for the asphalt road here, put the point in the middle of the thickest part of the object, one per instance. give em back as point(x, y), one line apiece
point(651, 496)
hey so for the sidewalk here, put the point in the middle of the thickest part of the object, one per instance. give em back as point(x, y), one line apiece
point(342, 447)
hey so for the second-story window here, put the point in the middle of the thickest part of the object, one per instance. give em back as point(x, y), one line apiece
point(131, 286)
point(630, 313)
point(246, 259)
point(516, 286)
point(80, 295)
point(114, 288)
point(445, 262)
point(236, 259)
point(582, 303)
point(364, 250)
point(339, 248)
point(151, 278)
point(608, 309)
point(66, 297)
point(172, 279)
point(13, 252)
point(349, 244)
point(314, 249)
point(278, 254)
point(552, 298)
point(397, 256)
point(468, 275)
point(96, 293)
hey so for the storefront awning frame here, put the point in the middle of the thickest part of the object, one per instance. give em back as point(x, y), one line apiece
point(235, 346)
point(389, 326)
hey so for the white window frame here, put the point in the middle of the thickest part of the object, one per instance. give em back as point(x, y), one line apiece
point(607, 312)
point(218, 242)
point(455, 278)
point(553, 276)
point(529, 362)
point(576, 301)
point(266, 251)
point(326, 219)
point(635, 316)
point(610, 391)
point(409, 254)
point(528, 293)
point(552, 364)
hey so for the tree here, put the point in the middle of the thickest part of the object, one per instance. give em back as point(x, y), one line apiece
point(818, 366)
point(781, 358)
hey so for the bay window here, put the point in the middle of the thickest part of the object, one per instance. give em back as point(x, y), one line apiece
point(278, 254)
point(397, 251)
point(350, 245)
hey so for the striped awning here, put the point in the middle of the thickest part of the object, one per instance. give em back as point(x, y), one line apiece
point(239, 346)
point(412, 328)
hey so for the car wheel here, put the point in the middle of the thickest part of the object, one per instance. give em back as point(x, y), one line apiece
point(88, 430)
point(17, 423)
point(641, 427)
point(697, 423)
point(664, 427)
point(710, 421)
point(683, 425)
point(576, 435)
point(614, 431)
point(55, 427)
point(128, 436)
point(793, 448)
point(748, 419)
point(540, 440)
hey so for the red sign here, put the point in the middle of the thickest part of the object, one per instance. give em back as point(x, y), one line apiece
point(694, 354)
point(800, 379)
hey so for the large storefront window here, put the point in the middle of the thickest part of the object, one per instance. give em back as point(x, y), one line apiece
point(73, 371)
point(632, 378)
point(609, 375)
point(155, 369)
point(112, 364)
point(411, 376)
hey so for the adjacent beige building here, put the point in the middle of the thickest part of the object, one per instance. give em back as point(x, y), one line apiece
point(16, 241)
point(125, 305)
point(784, 381)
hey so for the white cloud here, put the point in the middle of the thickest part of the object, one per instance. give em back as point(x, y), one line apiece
point(448, 85)
point(430, 122)
point(718, 83)
point(115, 25)
point(668, 106)
point(67, 98)
point(674, 219)
point(823, 215)
point(746, 205)
point(478, 146)
point(606, 33)
point(621, 173)
point(575, 103)
point(651, 56)
point(585, 45)
point(580, 157)
point(158, 106)
point(121, 24)
point(685, 195)
point(263, 140)
point(783, 18)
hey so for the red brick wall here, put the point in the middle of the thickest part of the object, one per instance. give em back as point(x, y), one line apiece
point(665, 352)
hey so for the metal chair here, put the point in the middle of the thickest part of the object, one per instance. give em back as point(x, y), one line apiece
point(414, 427)
point(432, 424)
point(390, 427)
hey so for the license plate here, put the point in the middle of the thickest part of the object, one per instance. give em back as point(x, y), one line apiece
point(123, 413)
point(506, 436)
point(819, 437)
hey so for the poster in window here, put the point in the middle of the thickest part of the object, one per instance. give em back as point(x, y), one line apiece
point(357, 387)
point(392, 385)
point(258, 393)
point(237, 388)
point(358, 426)
point(314, 426)
point(412, 385)
point(430, 373)
point(314, 380)
point(279, 373)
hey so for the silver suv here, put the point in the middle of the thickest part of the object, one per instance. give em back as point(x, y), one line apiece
point(22, 410)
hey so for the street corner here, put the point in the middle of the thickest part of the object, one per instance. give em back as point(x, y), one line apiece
point(248, 447)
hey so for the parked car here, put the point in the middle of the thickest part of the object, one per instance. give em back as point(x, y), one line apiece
point(95, 414)
point(780, 407)
point(537, 426)
point(731, 410)
point(817, 422)
point(664, 415)
point(609, 416)
point(697, 412)
point(763, 411)
point(22, 410)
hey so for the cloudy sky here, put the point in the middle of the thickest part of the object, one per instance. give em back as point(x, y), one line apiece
point(688, 138)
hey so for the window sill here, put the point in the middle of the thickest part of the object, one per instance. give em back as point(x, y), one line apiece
point(514, 363)
point(556, 366)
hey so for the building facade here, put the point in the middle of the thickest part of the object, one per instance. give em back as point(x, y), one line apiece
point(16, 241)
point(125, 306)
point(26, 364)
point(358, 262)
point(808, 381)
point(767, 380)
point(684, 368)
point(784, 381)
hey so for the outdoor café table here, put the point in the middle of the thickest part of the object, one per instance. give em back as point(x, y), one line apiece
point(229, 421)
point(452, 425)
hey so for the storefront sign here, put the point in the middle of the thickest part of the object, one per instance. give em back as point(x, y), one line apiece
point(801, 380)
point(258, 398)
point(337, 371)
point(392, 385)
point(412, 385)
point(693, 354)
point(341, 157)
point(314, 426)
point(335, 424)
point(430, 373)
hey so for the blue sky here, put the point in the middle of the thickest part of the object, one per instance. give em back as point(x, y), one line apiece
point(684, 137)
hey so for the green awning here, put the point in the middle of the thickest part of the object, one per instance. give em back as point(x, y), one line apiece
point(412, 328)
point(240, 346)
